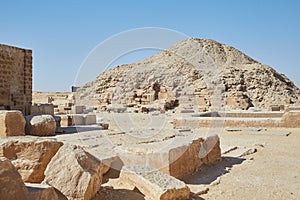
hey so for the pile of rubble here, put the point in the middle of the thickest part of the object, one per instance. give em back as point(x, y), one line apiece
point(201, 73)
point(33, 167)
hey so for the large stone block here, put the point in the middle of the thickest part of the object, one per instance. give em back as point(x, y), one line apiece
point(66, 120)
point(12, 123)
point(180, 158)
point(46, 109)
point(74, 172)
point(30, 156)
point(153, 183)
point(90, 119)
point(40, 125)
point(186, 159)
point(78, 119)
point(12, 186)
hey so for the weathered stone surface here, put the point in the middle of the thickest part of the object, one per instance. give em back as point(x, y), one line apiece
point(66, 120)
point(291, 119)
point(40, 125)
point(185, 70)
point(74, 172)
point(186, 159)
point(30, 156)
point(11, 184)
point(90, 119)
point(153, 183)
point(44, 192)
point(12, 123)
point(181, 157)
point(16, 78)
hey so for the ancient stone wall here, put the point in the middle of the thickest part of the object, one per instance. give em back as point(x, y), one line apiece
point(15, 79)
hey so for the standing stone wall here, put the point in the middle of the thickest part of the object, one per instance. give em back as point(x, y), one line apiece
point(15, 79)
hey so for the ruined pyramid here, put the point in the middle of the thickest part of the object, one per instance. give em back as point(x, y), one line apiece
point(197, 73)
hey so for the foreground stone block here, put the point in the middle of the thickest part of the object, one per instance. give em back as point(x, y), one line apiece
point(180, 158)
point(30, 156)
point(12, 186)
point(185, 160)
point(154, 184)
point(74, 172)
point(12, 123)
point(40, 125)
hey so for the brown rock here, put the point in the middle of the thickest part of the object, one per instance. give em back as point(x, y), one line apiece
point(30, 156)
point(40, 125)
point(44, 192)
point(74, 172)
point(12, 186)
point(12, 123)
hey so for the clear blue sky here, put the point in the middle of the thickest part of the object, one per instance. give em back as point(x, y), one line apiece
point(62, 33)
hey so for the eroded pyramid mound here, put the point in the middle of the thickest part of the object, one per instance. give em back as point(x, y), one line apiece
point(195, 73)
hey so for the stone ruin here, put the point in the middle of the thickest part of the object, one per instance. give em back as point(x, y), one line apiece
point(15, 79)
point(40, 164)
point(189, 75)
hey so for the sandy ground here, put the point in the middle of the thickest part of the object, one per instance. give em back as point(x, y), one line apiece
point(270, 171)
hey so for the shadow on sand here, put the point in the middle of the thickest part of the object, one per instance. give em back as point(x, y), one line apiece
point(209, 173)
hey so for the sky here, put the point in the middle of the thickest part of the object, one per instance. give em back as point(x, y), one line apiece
point(62, 33)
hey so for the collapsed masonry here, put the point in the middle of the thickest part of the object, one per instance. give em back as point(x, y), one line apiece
point(203, 75)
point(15, 79)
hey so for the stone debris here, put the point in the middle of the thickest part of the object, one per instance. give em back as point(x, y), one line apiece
point(12, 123)
point(189, 73)
point(40, 125)
point(74, 172)
point(227, 149)
point(153, 183)
point(279, 133)
point(12, 186)
point(30, 156)
point(243, 129)
point(241, 152)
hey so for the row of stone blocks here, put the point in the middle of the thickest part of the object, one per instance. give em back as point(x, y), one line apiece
point(288, 120)
point(77, 174)
point(13, 123)
point(77, 119)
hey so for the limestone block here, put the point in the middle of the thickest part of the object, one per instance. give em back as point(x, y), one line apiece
point(183, 157)
point(78, 109)
point(74, 172)
point(40, 125)
point(78, 119)
point(90, 119)
point(12, 123)
point(291, 119)
point(66, 120)
point(12, 186)
point(47, 109)
point(153, 183)
point(30, 156)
